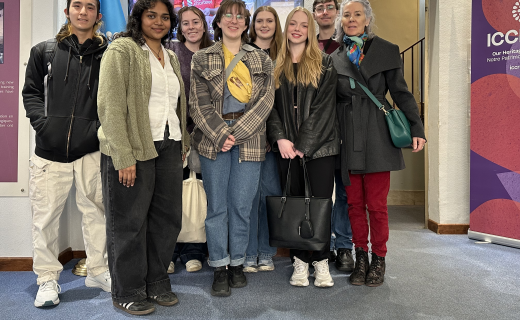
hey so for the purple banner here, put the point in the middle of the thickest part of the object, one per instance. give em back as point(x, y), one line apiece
point(9, 88)
point(495, 118)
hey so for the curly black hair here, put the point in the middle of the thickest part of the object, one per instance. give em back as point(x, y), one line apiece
point(133, 27)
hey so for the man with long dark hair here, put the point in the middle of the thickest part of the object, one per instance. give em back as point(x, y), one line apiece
point(60, 97)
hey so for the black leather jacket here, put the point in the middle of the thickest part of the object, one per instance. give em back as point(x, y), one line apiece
point(317, 134)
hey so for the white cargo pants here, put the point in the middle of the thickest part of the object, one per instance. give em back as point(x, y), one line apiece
point(49, 187)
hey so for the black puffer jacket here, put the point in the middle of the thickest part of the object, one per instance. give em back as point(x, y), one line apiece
point(69, 130)
point(318, 133)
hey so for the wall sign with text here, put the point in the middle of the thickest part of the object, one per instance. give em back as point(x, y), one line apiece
point(495, 118)
point(9, 88)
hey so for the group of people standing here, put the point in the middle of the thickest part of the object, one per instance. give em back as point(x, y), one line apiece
point(252, 104)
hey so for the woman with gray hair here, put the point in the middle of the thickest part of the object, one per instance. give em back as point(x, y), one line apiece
point(367, 152)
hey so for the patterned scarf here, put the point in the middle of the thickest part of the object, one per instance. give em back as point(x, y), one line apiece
point(354, 45)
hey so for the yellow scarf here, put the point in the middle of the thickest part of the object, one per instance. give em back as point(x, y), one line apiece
point(239, 82)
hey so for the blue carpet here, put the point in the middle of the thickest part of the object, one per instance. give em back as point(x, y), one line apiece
point(428, 276)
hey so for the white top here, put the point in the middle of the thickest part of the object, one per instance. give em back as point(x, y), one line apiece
point(163, 98)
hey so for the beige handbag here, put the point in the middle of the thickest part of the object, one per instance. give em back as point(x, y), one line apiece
point(194, 208)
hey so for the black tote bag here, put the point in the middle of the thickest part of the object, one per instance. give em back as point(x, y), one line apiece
point(301, 223)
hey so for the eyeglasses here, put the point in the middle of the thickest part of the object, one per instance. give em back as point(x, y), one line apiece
point(229, 17)
point(329, 8)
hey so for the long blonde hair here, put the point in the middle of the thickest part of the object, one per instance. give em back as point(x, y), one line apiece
point(310, 64)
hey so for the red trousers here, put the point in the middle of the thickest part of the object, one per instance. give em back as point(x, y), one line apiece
point(369, 191)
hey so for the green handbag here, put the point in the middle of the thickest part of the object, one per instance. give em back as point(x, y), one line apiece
point(398, 125)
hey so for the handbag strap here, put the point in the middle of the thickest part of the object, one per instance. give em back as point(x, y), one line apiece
point(308, 191)
point(234, 62)
point(370, 95)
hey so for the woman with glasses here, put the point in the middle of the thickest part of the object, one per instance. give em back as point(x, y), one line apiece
point(265, 34)
point(192, 35)
point(143, 141)
point(303, 125)
point(367, 152)
point(229, 106)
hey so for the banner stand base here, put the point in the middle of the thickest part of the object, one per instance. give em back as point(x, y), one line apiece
point(494, 239)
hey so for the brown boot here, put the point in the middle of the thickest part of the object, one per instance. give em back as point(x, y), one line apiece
point(358, 276)
point(376, 273)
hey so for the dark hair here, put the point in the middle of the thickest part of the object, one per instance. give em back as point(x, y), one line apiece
point(133, 27)
point(206, 41)
point(317, 2)
point(276, 43)
point(225, 6)
point(66, 30)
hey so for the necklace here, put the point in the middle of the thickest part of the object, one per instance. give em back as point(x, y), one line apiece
point(156, 54)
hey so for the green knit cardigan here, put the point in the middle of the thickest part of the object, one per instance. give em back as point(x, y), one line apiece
point(125, 83)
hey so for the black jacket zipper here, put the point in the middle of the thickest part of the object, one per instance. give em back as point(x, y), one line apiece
point(74, 106)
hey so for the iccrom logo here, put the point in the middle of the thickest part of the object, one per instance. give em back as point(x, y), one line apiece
point(498, 38)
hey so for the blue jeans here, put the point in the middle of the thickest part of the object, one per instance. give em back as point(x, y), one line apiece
point(340, 223)
point(258, 246)
point(230, 188)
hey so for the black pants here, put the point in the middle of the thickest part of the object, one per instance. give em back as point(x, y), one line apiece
point(321, 179)
point(143, 223)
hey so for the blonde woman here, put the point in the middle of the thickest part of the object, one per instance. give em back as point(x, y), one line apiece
point(303, 124)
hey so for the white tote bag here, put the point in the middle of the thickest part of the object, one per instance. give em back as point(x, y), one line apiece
point(194, 208)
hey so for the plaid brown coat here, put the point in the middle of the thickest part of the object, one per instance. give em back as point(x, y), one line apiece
point(206, 103)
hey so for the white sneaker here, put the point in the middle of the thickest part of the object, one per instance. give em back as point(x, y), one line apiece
point(250, 266)
point(48, 294)
point(102, 281)
point(300, 276)
point(171, 267)
point(322, 274)
point(193, 265)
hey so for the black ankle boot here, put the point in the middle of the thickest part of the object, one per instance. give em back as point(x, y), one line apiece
point(344, 260)
point(220, 287)
point(376, 272)
point(237, 278)
point(357, 277)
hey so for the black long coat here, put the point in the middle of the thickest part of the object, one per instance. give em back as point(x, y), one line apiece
point(366, 143)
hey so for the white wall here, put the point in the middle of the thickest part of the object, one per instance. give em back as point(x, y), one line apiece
point(448, 110)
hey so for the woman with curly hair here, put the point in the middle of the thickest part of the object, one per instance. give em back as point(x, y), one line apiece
point(143, 140)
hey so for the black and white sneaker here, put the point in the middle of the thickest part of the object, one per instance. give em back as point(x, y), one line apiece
point(136, 308)
point(165, 299)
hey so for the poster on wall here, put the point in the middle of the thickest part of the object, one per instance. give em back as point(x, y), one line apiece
point(210, 7)
point(495, 122)
point(9, 88)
